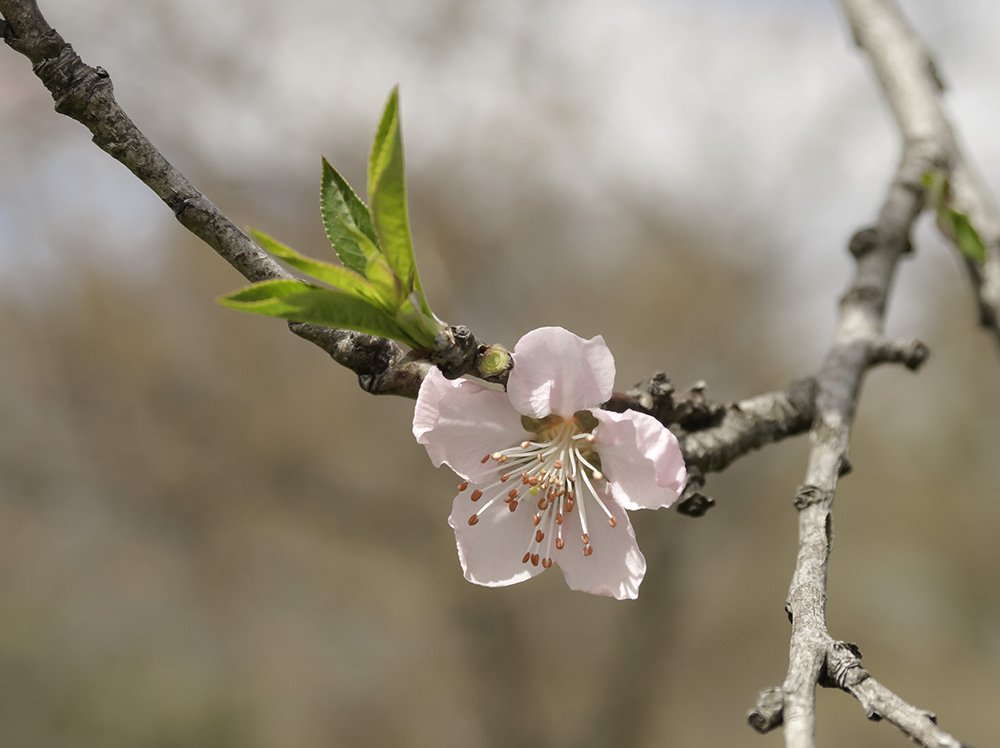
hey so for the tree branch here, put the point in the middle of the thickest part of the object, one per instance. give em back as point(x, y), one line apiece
point(912, 87)
point(814, 657)
point(85, 94)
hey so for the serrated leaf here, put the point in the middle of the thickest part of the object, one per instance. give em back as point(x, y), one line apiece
point(387, 187)
point(967, 239)
point(346, 280)
point(341, 206)
point(288, 299)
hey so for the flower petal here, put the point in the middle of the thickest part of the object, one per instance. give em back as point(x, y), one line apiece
point(558, 372)
point(640, 458)
point(459, 421)
point(616, 567)
point(491, 550)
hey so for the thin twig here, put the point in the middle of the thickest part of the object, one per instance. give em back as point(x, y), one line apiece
point(85, 94)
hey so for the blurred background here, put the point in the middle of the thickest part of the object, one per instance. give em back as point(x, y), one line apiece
point(209, 535)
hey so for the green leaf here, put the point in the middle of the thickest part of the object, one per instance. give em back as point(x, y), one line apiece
point(967, 239)
point(389, 117)
point(341, 206)
point(346, 280)
point(387, 187)
point(300, 302)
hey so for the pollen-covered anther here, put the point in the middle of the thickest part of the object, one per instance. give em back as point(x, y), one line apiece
point(557, 465)
point(586, 539)
point(513, 505)
point(536, 519)
point(485, 459)
point(568, 505)
point(534, 559)
point(525, 444)
point(560, 544)
point(613, 522)
point(539, 536)
point(526, 557)
point(473, 519)
point(463, 485)
point(476, 495)
point(588, 550)
point(504, 478)
point(543, 503)
point(546, 563)
point(559, 518)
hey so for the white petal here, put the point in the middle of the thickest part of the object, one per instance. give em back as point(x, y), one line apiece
point(616, 567)
point(640, 458)
point(459, 422)
point(558, 372)
point(491, 550)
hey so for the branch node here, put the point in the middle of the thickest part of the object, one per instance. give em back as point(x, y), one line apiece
point(911, 353)
point(768, 713)
point(693, 503)
point(807, 496)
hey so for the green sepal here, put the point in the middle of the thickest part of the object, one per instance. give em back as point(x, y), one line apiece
point(341, 207)
point(292, 300)
point(346, 280)
point(387, 197)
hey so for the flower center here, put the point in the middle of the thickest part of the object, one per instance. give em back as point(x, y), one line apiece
point(557, 472)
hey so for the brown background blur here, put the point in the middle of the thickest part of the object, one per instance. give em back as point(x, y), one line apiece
point(209, 535)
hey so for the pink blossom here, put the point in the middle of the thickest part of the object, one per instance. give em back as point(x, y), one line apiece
point(547, 475)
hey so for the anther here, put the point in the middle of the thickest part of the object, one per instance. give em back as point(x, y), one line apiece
point(588, 550)
point(586, 539)
point(525, 444)
point(505, 478)
point(613, 522)
point(539, 536)
point(463, 485)
point(568, 505)
point(546, 563)
point(559, 518)
point(513, 505)
point(590, 438)
point(557, 465)
point(496, 456)
point(536, 519)
point(534, 559)
point(597, 475)
point(526, 557)
point(473, 519)
point(560, 543)
point(485, 459)
point(513, 493)
point(476, 495)
point(543, 503)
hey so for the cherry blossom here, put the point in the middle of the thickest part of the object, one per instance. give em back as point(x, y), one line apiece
point(547, 475)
